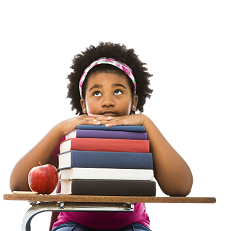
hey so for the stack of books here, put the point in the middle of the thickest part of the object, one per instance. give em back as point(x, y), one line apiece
point(108, 161)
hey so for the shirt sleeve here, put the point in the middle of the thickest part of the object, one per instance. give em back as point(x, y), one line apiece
point(57, 150)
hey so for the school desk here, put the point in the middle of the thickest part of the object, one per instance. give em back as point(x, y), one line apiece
point(80, 203)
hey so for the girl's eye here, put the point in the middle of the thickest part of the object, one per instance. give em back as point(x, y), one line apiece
point(97, 93)
point(118, 92)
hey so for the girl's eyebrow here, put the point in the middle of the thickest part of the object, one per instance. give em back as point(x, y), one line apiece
point(118, 85)
point(100, 86)
point(95, 86)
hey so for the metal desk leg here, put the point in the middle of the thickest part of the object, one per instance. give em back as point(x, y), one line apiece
point(72, 207)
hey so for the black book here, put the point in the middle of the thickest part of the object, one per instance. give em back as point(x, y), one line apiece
point(109, 187)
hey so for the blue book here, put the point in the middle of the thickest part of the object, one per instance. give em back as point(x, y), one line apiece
point(113, 128)
point(94, 159)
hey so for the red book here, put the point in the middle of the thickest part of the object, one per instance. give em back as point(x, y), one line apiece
point(105, 145)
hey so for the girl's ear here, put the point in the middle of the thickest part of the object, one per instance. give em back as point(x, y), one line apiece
point(83, 105)
point(134, 102)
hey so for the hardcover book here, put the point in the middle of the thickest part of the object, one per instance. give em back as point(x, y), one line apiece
point(94, 159)
point(106, 173)
point(78, 133)
point(108, 187)
point(113, 128)
point(105, 145)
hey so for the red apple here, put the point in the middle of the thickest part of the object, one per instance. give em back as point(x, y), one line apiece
point(43, 179)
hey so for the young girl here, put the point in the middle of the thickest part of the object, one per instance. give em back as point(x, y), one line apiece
point(107, 86)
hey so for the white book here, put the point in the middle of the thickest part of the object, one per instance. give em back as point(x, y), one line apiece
point(106, 173)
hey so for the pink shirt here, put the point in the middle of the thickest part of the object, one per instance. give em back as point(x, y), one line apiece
point(103, 220)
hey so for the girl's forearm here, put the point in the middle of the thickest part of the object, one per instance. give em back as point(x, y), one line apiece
point(171, 171)
point(41, 152)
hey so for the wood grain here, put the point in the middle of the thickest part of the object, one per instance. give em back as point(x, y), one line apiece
point(112, 199)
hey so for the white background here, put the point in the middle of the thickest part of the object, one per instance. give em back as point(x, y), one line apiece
point(186, 45)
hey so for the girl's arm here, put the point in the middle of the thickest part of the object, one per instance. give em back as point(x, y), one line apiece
point(170, 170)
point(42, 152)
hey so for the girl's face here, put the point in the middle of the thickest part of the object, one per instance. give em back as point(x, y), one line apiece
point(108, 94)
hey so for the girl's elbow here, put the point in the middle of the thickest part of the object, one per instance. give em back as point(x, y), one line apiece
point(180, 190)
point(17, 184)
point(184, 190)
point(14, 185)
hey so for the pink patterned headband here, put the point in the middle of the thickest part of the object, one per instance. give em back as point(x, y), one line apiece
point(127, 70)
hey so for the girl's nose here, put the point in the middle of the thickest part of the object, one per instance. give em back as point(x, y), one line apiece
point(108, 101)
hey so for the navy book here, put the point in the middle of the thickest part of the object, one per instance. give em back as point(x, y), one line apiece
point(97, 159)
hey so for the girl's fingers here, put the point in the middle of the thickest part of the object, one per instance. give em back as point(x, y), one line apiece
point(116, 122)
point(112, 121)
point(96, 119)
point(125, 120)
point(99, 117)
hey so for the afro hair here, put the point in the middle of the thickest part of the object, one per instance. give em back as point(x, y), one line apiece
point(110, 50)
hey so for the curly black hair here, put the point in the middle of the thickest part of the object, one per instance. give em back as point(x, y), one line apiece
point(110, 50)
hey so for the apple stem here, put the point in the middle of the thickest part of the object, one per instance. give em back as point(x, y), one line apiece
point(40, 163)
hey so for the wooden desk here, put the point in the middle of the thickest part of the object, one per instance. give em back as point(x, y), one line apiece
point(80, 203)
point(109, 199)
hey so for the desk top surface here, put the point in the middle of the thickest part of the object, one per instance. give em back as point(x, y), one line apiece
point(111, 199)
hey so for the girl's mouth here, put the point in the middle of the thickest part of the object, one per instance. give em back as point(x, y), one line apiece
point(109, 113)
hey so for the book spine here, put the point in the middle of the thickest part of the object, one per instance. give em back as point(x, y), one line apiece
point(112, 188)
point(107, 173)
point(93, 159)
point(113, 128)
point(107, 134)
point(106, 145)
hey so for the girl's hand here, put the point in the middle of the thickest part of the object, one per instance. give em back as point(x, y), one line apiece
point(134, 119)
point(69, 125)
